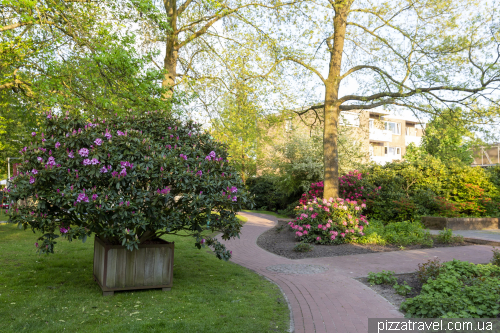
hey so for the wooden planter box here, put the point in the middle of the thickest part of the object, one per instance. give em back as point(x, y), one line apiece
point(460, 223)
point(116, 268)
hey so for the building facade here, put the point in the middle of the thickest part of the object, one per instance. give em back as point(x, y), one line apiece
point(382, 137)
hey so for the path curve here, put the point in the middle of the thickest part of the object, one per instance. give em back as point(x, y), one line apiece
point(333, 301)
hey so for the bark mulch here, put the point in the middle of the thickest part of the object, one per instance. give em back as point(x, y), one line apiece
point(280, 240)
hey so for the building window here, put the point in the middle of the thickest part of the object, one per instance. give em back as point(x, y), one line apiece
point(349, 119)
point(392, 151)
point(395, 128)
point(288, 125)
point(371, 124)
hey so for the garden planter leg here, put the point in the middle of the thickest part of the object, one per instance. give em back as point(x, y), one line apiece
point(166, 289)
point(108, 293)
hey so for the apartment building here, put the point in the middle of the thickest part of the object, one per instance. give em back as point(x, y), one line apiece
point(383, 137)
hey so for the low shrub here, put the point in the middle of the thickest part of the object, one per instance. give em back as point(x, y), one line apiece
point(406, 233)
point(384, 277)
point(446, 236)
point(429, 270)
point(329, 222)
point(266, 195)
point(460, 290)
point(315, 191)
point(496, 257)
point(303, 247)
point(402, 289)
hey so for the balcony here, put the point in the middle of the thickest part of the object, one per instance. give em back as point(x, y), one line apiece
point(379, 135)
point(384, 159)
point(416, 140)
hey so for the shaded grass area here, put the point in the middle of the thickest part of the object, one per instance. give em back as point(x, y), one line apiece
point(267, 212)
point(57, 293)
point(3, 217)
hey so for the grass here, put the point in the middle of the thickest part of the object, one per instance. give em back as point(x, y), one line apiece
point(267, 212)
point(57, 293)
point(3, 217)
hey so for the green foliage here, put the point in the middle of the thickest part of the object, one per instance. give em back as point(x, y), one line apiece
point(427, 186)
point(127, 179)
point(459, 290)
point(266, 194)
point(405, 233)
point(496, 257)
point(303, 247)
point(429, 270)
point(446, 236)
point(402, 289)
point(384, 277)
point(448, 137)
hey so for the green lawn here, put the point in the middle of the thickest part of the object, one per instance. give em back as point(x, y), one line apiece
point(57, 293)
point(3, 217)
point(267, 212)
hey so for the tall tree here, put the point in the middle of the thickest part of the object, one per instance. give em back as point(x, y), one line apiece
point(421, 54)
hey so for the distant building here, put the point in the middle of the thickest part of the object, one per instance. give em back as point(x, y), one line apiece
point(383, 137)
point(485, 156)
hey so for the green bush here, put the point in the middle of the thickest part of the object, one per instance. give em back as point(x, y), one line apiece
point(267, 195)
point(427, 186)
point(384, 277)
point(429, 270)
point(303, 247)
point(496, 257)
point(405, 233)
point(460, 290)
point(402, 289)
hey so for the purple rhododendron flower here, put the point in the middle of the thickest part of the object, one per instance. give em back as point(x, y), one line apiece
point(98, 141)
point(36, 244)
point(51, 161)
point(123, 173)
point(49, 116)
point(94, 196)
point(71, 155)
point(58, 145)
point(34, 171)
point(33, 133)
point(199, 173)
point(234, 189)
point(120, 133)
point(95, 161)
point(63, 230)
point(234, 198)
point(108, 135)
point(84, 152)
point(32, 180)
point(82, 198)
point(103, 169)
point(39, 159)
point(86, 162)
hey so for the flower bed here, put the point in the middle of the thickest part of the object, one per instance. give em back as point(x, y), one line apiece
point(333, 221)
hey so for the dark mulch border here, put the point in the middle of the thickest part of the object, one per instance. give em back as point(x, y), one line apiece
point(280, 240)
point(389, 293)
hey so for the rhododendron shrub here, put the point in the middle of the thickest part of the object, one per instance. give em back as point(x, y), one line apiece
point(330, 221)
point(315, 191)
point(127, 179)
point(354, 186)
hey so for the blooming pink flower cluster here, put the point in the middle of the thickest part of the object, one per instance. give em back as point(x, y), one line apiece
point(166, 190)
point(353, 187)
point(323, 221)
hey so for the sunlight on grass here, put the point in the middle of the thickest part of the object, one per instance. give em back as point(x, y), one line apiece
point(57, 292)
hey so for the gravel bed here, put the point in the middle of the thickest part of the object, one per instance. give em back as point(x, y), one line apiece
point(280, 240)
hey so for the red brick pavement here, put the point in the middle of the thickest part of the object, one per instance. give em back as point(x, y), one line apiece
point(333, 301)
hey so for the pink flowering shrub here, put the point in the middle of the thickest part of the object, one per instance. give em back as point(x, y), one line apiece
point(315, 191)
point(333, 221)
point(353, 186)
point(127, 179)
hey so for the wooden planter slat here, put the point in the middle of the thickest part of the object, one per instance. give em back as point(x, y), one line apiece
point(150, 266)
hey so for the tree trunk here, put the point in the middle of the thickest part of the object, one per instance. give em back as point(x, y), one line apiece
point(332, 105)
point(171, 49)
point(330, 149)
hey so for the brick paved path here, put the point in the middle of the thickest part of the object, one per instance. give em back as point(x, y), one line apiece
point(333, 301)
